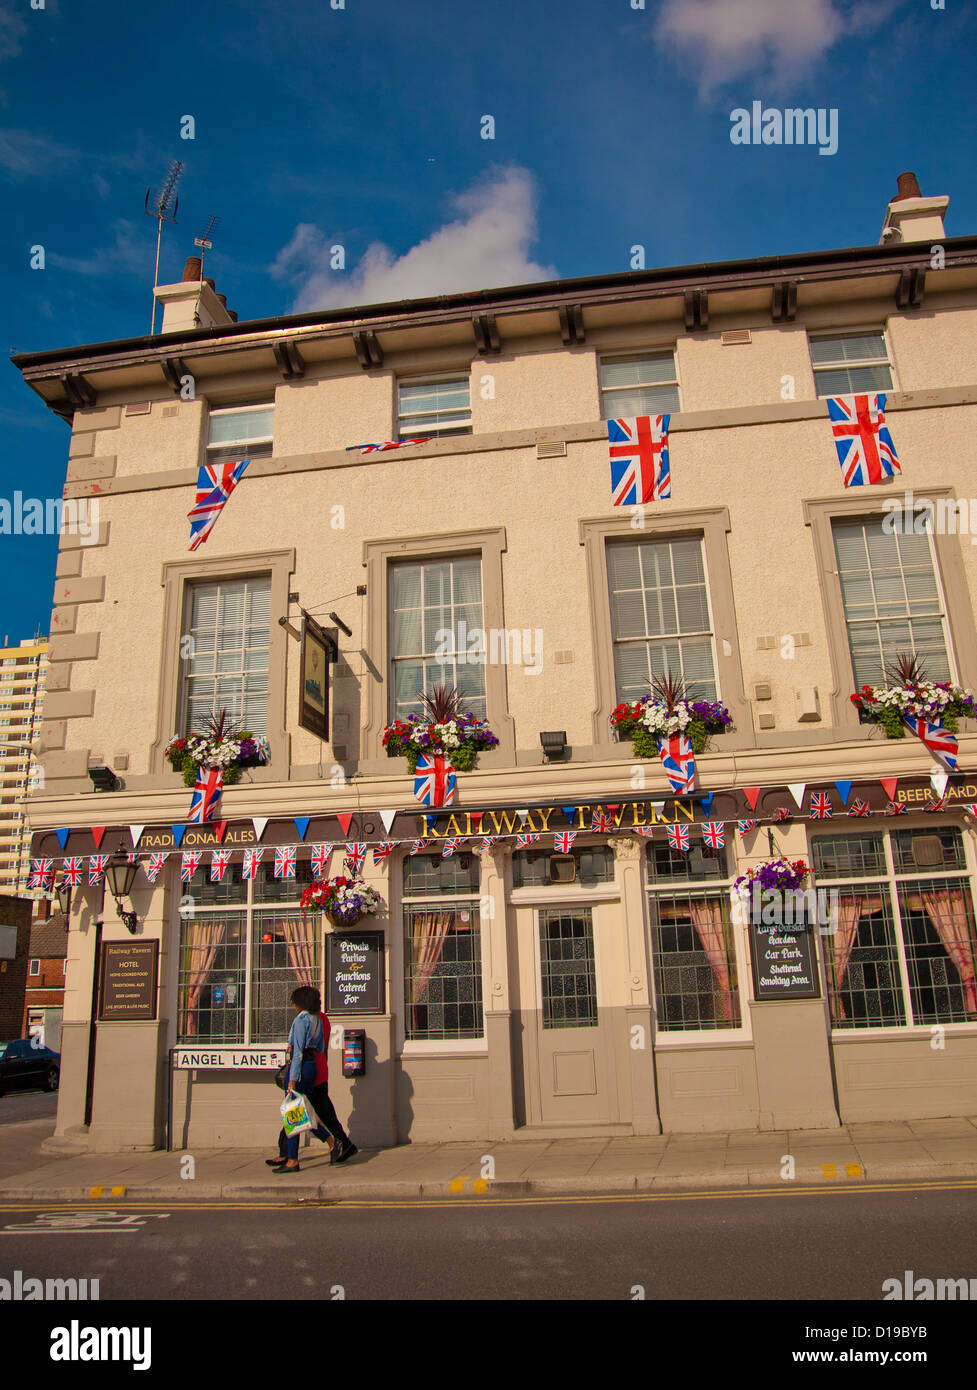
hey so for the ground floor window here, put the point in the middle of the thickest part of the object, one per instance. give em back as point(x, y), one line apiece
point(442, 948)
point(903, 948)
point(567, 970)
point(244, 947)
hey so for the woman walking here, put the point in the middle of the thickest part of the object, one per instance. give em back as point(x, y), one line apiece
point(307, 1041)
point(340, 1145)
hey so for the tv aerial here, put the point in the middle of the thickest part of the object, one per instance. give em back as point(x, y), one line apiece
point(163, 207)
point(205, 243)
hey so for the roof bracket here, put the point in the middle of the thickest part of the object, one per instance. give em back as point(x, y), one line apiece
point(79, 391)
point(289, 359)
point(909, 291)
point(571, 324)
point(696, 310)
point(486, 334)
point(783, 305)
point(368, 350)
point(174, 369)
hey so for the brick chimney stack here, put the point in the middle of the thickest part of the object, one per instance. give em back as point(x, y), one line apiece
point(911, 217)
point(193, 303)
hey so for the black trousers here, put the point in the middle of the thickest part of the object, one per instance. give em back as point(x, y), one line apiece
point(324, 1108)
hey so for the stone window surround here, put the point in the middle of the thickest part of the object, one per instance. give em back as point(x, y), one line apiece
point(489, 544)
point(819, 513)
point(711, 524)
point(176, 578)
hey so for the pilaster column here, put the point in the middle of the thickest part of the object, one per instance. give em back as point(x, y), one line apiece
point(495, 972)
point(637, 991)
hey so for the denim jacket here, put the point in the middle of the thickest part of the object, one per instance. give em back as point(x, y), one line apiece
point(306, 1032)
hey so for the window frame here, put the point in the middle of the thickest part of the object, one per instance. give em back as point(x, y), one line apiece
point(435, 379)
point(262, 440)
point(875, 332)
point(406, 903)
point(183, 719)
point(639, 355)
point(819, 514)
point(392, 657)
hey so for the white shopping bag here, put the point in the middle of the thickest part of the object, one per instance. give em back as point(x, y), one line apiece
point(297, 1114)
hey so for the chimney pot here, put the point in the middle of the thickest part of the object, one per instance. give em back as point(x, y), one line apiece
point(209, 281)
point(908, 187)
point(222, 299)
point(191, 271)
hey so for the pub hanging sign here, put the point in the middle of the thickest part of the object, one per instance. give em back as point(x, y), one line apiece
point(318, 650)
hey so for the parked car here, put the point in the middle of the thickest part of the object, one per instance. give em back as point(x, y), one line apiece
point(26, 1067)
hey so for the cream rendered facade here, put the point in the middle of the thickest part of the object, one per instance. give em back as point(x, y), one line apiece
point(754, 475)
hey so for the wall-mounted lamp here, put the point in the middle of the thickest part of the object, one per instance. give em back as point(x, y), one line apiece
point(103, 778)
point(119, 874)
point(554, 744)
point(63, 894)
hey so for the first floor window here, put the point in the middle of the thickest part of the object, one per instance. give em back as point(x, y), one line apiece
point(246, 947)
point(435, 607)
point(850, 365)
point(442, 948)
point(434, 408)
point(241, 432)
point(903, 947)
point(226, 664)
point(640, 384)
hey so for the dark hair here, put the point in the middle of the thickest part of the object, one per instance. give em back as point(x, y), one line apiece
point(307, 998)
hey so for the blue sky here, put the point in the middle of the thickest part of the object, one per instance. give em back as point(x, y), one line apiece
point(362, 126)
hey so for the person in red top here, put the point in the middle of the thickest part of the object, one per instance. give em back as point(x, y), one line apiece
point(341, 1146)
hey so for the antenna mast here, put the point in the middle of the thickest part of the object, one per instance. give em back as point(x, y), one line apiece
point(205, 243)
point(163, 208)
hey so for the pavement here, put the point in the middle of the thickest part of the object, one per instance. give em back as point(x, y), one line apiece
point(913, 1150)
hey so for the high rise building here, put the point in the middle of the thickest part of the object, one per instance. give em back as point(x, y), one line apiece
point(22, 673)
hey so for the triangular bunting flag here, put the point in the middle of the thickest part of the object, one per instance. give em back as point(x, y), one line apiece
point(302, 825)
point(477, 820)
point(98, 831)
point(259, 823)
point(938, 781)
point(220, 830)
point(387, 818)
point(658, 807)
point(844, 791)
point(797, 790)
point(136, 832)
point(889, 785)
point(62, 837)
point(752, 795)
point(345, 819)
point(569, 812)
point(523, 815)
point(178, 833)
point(706, 801)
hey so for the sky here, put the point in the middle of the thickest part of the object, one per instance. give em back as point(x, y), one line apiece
point(363, 123)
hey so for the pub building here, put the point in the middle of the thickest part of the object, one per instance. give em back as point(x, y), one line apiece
point(511, 986)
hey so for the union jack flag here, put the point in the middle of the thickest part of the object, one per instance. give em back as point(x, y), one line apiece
point(207, 791)
point(448, 847)
point(41, 871)
point(821, 806)
point(865, 448)
point(563, 841)
point(355, 855)
point(523, 840)
point(252, 862)
point(714, 833)
point(601, 822)
point(215, 483)
point(156, 862)
point(783, 813)
point(678, 837)
point(321, 854)
point(219, 861)
point(487, 841)
point(72, 870)
point(895, 808)
point(418, 845)
point(189, 864)
point(646, 830)
point(939, 805)
point(678, 761)
point(860, 808)
point(434, 780)
point(972, 808)
point(381, 852)
point(285, 862)
point(941, 744)
point(638, 449)
point(746, 826)
point(389, 444)
point(96, 868)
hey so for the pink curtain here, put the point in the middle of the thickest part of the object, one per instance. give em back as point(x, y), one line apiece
point(946, 909)
point(428, 931)
point(205, 935)
point(850, 909)
point(707, 918)
point(300, 944)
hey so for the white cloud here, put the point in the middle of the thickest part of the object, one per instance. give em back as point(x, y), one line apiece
point(486, 246)
point(131, 254)
point(722, 40)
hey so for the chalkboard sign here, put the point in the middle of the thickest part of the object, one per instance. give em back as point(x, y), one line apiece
point(129, 978)
point(354, 972)
point(784, 959)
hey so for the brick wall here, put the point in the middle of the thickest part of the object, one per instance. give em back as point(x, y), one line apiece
point(14, 912)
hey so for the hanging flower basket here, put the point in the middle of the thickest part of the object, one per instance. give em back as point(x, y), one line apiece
point(447, 732)
point(773, 876)
point(343, 900)
point(232, 752)
point(668, 710)
point(908, 692)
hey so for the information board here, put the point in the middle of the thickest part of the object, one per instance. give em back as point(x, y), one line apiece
point(129, 981)
point(784, 960)
point(354, 972)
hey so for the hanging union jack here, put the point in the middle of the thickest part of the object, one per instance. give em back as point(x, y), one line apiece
point(638, 449)
point(783, 813)
point(381, 852)
point(418, 845)
point(895, 808)
point(865, 448)
point(434, 780)
point(252, 861)
point(678, 761)
point(601, 822)
point(387, 444)
point(448, 847)
point(745, 827)
point(41, 870)
point(219, 862)
point(207, 789)
point(487, 842)
point(189, 864)
point(939, 805)
point(678, 837)
point(860, 808)
point(72, 870)
point(156, 863)
point(285, 862)
point(96, 868)
point(714, 833)
point(941, 744)
point(321, 855)
point(523, 840)
point(215, 483)
point(821, 806)
point(355, 855)
point(563, 841)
